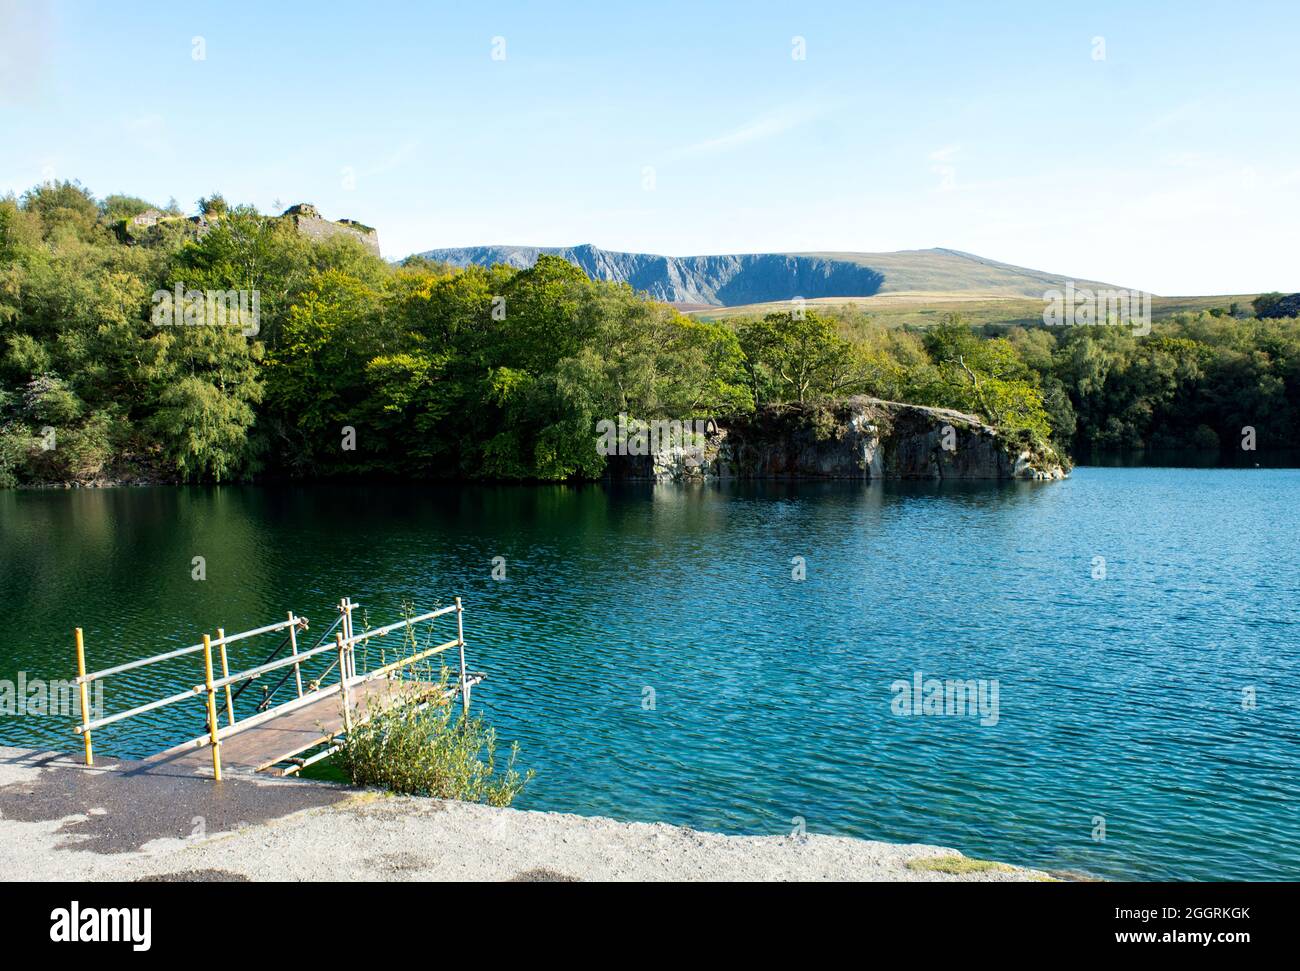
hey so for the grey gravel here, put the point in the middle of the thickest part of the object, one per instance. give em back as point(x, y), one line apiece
point(62, 821)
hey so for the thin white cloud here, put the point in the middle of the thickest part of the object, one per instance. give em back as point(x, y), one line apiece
point(1188, 111)
point(396, 159)
point(771, 125)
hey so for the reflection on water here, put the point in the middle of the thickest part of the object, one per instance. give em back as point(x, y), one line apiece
point(656, 659)
point(1231, 457)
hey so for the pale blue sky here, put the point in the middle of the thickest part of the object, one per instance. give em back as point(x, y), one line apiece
point(1173, 164)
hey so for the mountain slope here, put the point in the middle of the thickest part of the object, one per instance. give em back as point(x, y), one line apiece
point(738, 279)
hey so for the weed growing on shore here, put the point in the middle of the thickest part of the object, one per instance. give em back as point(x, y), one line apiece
point(954, 865)
point(418, 747)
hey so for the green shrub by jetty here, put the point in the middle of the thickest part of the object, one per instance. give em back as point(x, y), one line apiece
point(418, 747)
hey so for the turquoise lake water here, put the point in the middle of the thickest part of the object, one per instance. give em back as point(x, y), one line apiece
point(1125, 698)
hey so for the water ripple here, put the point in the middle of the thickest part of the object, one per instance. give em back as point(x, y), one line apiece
point(656, 658)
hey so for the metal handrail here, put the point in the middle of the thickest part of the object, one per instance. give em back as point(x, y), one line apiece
point(266, 700)
point(350, 643)
point(381, 631)
point(351, 682)
point(88, 725)
point(345, 644)
point(278, 648)
point(403, 662)
point(140, 710)
point(261, 669)
point(181, 652)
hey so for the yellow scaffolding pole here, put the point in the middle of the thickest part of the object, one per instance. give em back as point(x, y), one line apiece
point(85, 700)
point(212, 708)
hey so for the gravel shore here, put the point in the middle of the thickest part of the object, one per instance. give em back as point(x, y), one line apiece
point(61, 821)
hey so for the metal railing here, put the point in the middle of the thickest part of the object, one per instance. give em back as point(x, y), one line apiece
point(343, 651)
point(269, 693)
point(83, 680)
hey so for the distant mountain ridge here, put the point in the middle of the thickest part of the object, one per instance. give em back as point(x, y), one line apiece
point(746, 278)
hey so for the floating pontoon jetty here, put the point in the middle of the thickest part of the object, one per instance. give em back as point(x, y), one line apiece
point(276, 739)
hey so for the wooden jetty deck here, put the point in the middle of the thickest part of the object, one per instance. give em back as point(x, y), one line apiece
point(288, 734)
point(276, 739)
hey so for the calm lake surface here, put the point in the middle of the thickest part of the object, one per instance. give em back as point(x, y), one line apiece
point(1120, 698)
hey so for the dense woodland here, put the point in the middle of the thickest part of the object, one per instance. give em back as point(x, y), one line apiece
point(362, 368)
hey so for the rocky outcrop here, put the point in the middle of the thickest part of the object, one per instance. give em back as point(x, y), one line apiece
point(858, 438)
point(307, 220)
point(148, 227)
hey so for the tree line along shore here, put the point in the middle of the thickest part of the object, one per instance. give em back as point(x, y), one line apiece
point(334, 362)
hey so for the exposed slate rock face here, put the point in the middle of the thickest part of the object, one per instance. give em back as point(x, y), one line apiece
point(858, 438)
point(713, 280)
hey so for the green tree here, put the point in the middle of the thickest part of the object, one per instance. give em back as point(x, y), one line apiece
point(987, 377)
point(63, 208)
point(115, 207)
point(797, 356)
point(318, 372)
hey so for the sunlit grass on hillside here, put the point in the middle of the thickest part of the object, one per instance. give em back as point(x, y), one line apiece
point(924, 309)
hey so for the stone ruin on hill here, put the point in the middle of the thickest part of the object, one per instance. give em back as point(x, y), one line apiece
point(308, 221)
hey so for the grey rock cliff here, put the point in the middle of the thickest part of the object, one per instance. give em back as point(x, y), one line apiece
point(712, 280)
point(737, 279)
point(858, 438)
